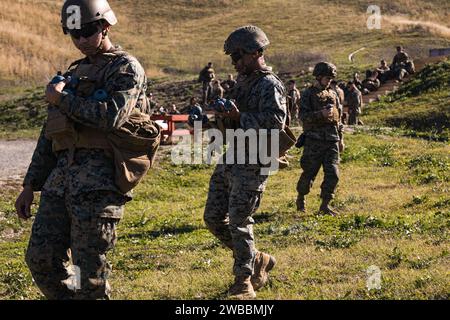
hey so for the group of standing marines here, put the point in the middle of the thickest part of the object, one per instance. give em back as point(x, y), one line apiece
point(81, 205)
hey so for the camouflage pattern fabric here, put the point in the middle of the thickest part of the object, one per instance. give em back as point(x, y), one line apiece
point(341, 95)
point(206, 92)
point(207, 74)
point(247, 38)
point(293, 99)
point(229, 207)
point(125, 82)
point(261, 98)
point(230, 83)
point(313, 100)
point(216, 93)
point(235, 190)
point(371, 84)
point(80, 203)
point(400, 57)
point(322, 141)
point(354, 102)
point(352, 117)
point(318, 153)
point(84, 223)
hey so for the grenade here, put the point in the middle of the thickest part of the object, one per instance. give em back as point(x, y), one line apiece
point(100, 95)
point(196, 114)
point(69, 87)
point(221, 105)
point(56, 79)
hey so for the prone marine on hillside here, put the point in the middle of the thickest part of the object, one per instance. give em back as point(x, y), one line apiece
point(82, 160)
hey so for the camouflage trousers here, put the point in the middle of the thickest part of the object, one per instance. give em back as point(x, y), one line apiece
point(228, 214)
point(292, 116)
point(353, 117)
point(318, 153)
point(206, 92)
point(85, 224)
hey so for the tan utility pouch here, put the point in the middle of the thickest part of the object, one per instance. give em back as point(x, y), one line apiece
point(59, 129)
point(134, 147)
point(336, 117)
point(287, 140)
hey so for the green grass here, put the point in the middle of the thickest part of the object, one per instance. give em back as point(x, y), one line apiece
point(390, 217)
point(22, 114)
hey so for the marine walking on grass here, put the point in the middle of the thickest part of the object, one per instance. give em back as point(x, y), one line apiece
point(322, 138)
point(235, 190)
point(73, 165)
point(293, 100)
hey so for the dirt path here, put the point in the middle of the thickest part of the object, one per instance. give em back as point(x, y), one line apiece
point(15, 156)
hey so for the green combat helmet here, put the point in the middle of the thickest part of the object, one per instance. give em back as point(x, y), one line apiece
point(89, 10)
point(325, 69)
point(248, 39)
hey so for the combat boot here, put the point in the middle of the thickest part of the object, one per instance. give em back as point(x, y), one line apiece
point(326, 209)
point(242, 289)
point(301, 203)
point(263, 264)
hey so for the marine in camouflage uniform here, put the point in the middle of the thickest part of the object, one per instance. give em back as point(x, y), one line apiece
point(402, 64)
point(354, 103)
point(320, 112)
point(340, 93)
point(217, 91)
point(206, 77)
point(228, 85)
point(80, 204)
point(293, 98)
point(235, 190)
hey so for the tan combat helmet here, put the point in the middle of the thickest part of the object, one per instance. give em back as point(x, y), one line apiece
point(248, 39)
point(90, 11)
point(325, 69)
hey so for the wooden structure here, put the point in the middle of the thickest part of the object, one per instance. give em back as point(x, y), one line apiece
point(171, 132)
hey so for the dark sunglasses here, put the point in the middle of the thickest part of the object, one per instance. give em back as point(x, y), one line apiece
point(86, 31)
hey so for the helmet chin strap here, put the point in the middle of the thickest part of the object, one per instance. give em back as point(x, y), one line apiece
point(100, 47)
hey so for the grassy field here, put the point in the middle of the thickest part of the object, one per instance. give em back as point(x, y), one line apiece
point(395, 214)
point(393, 195)
point(395, 210)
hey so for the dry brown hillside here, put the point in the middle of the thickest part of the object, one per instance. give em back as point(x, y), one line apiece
point(179, 36)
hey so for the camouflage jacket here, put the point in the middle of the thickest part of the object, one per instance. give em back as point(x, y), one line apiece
point(89, 169)
point(230, 83)
point(217, 93)
point(206, 75)
point(341, 95)
point(401, 57)
point(313, 100)
point(261, 100)
point(354, 101)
